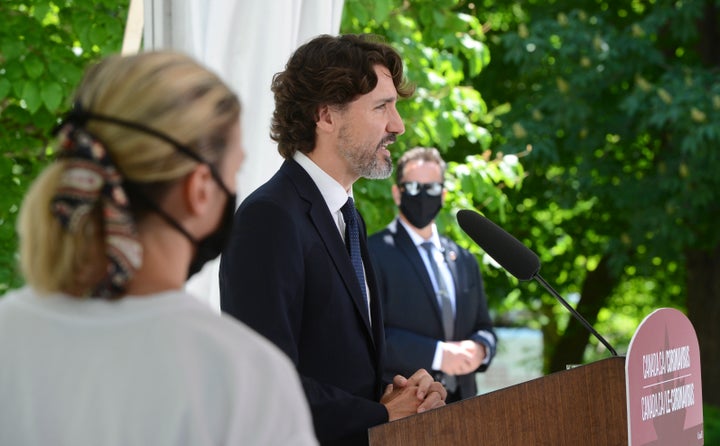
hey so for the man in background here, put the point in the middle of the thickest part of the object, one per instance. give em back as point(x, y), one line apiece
point(434, 305)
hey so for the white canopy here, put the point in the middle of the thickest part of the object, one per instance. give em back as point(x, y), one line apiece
point(246, 42)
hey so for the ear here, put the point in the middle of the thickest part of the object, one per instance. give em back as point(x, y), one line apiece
point(326, 119)
point(442, 196)
point(396, 194)
point(197, 190)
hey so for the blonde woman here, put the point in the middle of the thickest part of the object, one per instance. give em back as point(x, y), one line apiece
point(103, 346)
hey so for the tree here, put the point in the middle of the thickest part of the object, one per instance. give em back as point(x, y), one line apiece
point(616, 111)
point(44, 49)
point(621, 105)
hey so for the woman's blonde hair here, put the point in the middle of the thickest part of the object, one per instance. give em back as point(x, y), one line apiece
point(165, 91)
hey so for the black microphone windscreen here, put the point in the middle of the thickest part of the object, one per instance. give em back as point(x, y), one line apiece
point(508, 251)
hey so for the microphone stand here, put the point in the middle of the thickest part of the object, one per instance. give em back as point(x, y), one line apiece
point(575, 314)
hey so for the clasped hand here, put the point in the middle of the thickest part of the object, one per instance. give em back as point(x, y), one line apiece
point(461, 357)
point(409, 396)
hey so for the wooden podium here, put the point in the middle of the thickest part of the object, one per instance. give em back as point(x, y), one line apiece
point(585, 405)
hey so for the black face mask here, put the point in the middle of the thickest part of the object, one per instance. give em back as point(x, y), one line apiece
point(420, 209)
point(212, 245)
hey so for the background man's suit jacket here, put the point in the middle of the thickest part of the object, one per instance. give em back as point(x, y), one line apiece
point(413, 321)
point(287, 274)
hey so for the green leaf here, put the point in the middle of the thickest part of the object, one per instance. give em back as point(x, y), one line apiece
point(31, 96)
point(4, 87)
point(98, 34)
point(40, 10)
point(382, 10)
point(15, 74)
point(52, 95)
point(12, 49)
point(356, 11)
point(34, 66)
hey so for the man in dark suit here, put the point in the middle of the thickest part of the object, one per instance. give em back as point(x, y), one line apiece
point(291, 270)
point(434, 305)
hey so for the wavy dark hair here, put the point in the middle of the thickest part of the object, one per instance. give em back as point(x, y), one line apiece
point(327, 70)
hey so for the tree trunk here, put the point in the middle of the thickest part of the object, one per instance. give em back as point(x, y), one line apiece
point(703, 266)
point(595, 292)
point(709, 35)
point(703, 304)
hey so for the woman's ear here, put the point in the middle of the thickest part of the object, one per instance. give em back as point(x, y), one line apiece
point(197, 189)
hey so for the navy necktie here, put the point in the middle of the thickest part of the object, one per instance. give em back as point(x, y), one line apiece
point(352, 242)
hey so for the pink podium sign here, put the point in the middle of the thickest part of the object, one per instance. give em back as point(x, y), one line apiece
point(663, 382)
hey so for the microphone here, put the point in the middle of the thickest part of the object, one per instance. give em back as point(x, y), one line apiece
point(516, 258)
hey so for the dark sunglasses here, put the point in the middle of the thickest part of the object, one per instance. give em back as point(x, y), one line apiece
point(414, 187)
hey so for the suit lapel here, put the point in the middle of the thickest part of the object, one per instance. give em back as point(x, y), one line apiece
point(375, 307)
point(327, 230)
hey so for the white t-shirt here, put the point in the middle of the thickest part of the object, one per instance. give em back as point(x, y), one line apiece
point(152, 370)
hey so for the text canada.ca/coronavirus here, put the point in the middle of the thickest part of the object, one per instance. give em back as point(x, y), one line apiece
point(666, 361)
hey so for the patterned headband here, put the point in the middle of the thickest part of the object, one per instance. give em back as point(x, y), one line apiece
point(91, 178)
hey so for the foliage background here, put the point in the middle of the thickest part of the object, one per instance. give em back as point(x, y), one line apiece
point(44, 49)
point(613, 111)
point(588, 129)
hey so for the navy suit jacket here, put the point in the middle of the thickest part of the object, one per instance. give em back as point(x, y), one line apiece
point(287, 274)
point(413, 320)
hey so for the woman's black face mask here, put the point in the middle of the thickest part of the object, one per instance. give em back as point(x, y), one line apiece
point(212, 245)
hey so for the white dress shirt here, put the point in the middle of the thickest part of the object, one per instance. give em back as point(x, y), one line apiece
point(335, 197)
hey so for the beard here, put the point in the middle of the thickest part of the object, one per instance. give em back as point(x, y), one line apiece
point(365, 160)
